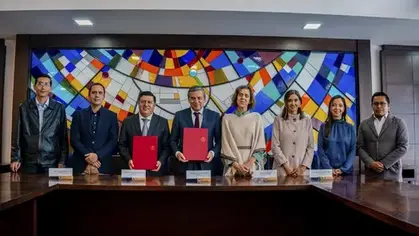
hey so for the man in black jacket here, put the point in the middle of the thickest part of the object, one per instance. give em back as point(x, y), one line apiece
point(41, 140)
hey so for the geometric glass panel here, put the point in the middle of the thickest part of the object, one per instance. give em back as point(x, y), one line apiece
point(168, 73)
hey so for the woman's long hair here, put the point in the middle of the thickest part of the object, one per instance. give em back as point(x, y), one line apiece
point(284, 114)
point(329, 121)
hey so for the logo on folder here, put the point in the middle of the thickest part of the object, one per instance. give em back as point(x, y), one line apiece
point(152, 148)
point(202, 139)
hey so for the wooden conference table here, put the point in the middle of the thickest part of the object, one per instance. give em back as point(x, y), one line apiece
point(105, 205)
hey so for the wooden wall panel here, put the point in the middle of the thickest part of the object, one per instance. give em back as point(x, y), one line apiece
point(2, 69)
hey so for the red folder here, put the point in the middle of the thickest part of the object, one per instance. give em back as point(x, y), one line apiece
point(144, 152)
point(195, 144)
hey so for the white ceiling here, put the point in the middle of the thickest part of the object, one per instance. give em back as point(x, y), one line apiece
point(379, 30)
point(401, 9)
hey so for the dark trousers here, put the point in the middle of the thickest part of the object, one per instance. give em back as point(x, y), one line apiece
point(35, 169)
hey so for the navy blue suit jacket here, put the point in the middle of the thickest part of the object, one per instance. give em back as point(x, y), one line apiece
point(105, 141)
point(211, 120)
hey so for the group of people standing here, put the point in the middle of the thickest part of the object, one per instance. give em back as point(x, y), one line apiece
point(236, 141)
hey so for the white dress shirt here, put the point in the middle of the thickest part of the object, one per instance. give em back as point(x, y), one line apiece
point(379, 123)
point(41, 109)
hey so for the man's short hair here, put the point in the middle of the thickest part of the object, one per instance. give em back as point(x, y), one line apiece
point(196, 88)
point(380, 94)
point(147, 93)
point(97, 84)
point(44, 76)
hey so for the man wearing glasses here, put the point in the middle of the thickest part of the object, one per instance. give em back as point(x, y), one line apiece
point(41, 140)
point(382, 141)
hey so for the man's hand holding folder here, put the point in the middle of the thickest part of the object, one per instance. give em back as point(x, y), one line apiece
point(182, 158)
point(195, 146)
point(158, 165)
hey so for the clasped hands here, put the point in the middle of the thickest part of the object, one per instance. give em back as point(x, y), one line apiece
point(337, 172)
point(245, 168)
point(93, 163)
point(377, 166)
point(295, 172)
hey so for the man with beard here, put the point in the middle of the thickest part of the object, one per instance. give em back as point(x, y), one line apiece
point(93, 135)
point(41, 140)
point(146, 123)
point(382, 140)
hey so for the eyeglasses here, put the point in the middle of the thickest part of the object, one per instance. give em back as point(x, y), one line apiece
point(43, 84)
point(379, 104)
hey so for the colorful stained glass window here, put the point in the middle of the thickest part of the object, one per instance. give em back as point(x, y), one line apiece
point(169, 73)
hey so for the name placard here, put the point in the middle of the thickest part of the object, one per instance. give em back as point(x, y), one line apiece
point(139, 175)
point(201, 176)
point(60, 173)
point(266, 175)
point(326, 173)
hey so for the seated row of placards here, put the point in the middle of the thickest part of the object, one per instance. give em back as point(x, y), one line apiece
point(195, 175)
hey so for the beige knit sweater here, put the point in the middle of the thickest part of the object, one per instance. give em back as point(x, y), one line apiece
point(241, 137)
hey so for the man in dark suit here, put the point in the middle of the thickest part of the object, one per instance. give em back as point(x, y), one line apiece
point(199, 117)
point(93, 135)
point(146, 123)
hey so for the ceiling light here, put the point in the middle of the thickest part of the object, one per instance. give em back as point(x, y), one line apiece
point(83, 22)
point(312, 26)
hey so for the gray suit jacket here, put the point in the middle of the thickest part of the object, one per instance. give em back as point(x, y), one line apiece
point(388, 147)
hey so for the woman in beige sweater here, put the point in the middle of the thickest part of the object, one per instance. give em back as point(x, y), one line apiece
point(292, 138)
point(242, 136)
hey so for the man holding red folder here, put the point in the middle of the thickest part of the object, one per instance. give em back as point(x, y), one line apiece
point(200, 118)
point(144, 124)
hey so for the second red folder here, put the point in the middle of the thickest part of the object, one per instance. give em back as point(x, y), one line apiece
point(144, 152)
point(195, 144)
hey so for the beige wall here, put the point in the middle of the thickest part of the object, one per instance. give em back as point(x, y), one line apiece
point(375, 68)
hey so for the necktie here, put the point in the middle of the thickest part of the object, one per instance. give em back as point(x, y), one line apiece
point(196, 119)
point(145, 127)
